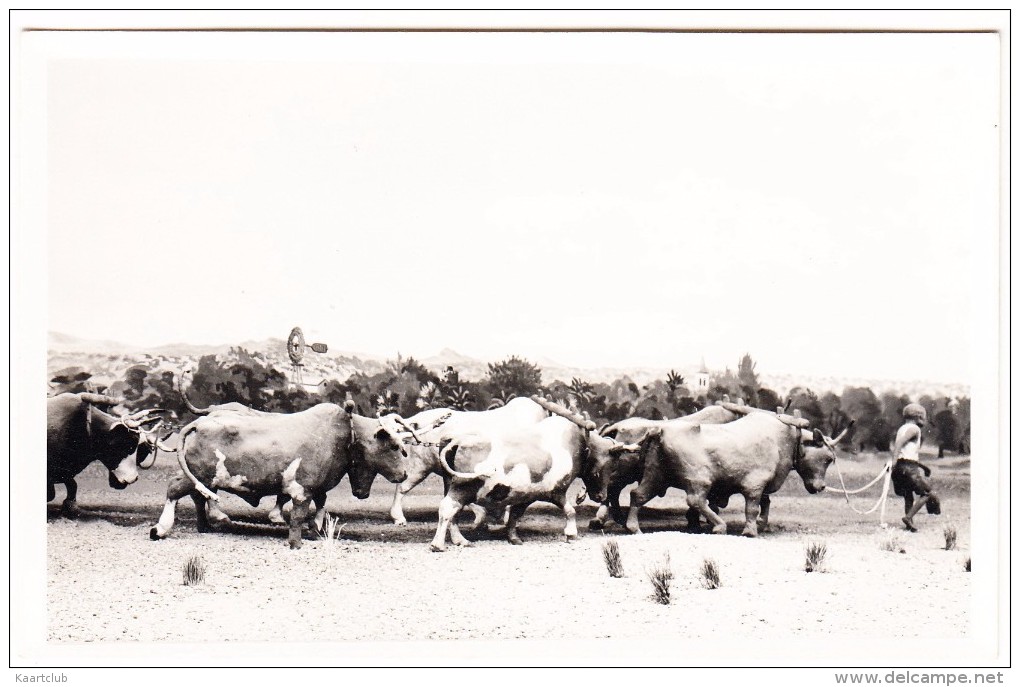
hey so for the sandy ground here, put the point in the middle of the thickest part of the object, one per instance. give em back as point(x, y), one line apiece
point(107, 581)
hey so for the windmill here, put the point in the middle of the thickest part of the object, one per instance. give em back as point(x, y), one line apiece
point(296, 350)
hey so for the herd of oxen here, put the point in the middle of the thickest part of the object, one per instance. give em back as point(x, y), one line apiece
point(496, 462)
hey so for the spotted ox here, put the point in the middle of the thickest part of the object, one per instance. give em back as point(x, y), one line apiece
point(516, 469)
point(302, 455)
point(626, 468)
point(751, 456)
point(78, 432)
point(423, 457)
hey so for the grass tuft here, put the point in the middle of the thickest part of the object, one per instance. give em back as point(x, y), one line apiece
point(949, 532)
point(331, 530)
point(892, 543)
point(710, 574)
point(814, 556)
point(194, 571)
point(611, 554)
point(661, 575)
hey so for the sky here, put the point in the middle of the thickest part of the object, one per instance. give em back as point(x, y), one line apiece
point(602, 200)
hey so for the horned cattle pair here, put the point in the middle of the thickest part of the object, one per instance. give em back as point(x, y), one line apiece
point(299, 456)
point(712, 455)
point(81, 428)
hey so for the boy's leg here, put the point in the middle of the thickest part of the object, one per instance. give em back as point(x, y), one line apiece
point(913, 508)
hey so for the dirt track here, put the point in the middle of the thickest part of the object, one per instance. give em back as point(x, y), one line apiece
point(107, 581)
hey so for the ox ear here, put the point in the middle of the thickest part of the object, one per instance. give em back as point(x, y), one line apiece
point(603, 428)
point(817, 436)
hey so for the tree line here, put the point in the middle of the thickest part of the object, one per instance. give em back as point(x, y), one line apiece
point(407, 387)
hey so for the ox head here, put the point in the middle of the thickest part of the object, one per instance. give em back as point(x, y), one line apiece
point(116, 451)
point(611, 460)
point(127, 445)
point(379, 449)
point(814, 456)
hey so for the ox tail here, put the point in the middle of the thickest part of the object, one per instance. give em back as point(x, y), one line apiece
point(180, 389)
point(201, 488)
point(447, 454)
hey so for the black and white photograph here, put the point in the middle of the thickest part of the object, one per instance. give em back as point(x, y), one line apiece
point(581, 339)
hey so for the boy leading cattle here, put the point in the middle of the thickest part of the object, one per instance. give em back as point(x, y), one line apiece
point(909, 475)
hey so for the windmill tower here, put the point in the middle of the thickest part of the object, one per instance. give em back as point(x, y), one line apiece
point(296, 351)
point(701, 379)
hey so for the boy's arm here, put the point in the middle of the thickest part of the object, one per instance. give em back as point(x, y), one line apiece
point(905, 434)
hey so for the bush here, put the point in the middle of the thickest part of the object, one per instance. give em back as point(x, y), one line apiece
point(949, 532)
point(515, 376)
point(331, 529)
point(661, 575)
point(710, 574)
point(611, 554)
point(892, 543)
point(814, 556)
point(194, 571)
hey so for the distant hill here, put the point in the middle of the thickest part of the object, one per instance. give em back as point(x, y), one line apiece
point(108, 360)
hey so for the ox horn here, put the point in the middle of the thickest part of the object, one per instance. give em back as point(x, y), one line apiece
point(136, 419)
point(400, 421)
point(842, 434)
point(163, 447)
point(100, 399)
point(557, 409)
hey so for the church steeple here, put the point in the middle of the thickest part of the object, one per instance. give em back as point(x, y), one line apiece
point(701, 378)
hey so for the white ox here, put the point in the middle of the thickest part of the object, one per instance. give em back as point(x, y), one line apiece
point(423, 458)
point(516, 469)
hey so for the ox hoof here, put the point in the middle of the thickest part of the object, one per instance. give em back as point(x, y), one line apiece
point(465, 543)
point(400, 523)
point(516, 541)
point(596, 525)
point(294, 544)
point(634, 530)
point(154, 534)
point(70, 509)
point(719, 529)
point(436, 548)
point(570, 538)
point(277, 519)
point(749, 532)
point(909, 524)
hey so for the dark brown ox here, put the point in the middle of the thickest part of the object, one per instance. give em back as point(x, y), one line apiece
point(518, 468)
point(626, 468)
point(302, 455)
point(78, 432)
point(751, 456)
